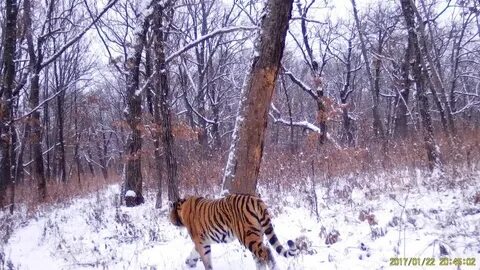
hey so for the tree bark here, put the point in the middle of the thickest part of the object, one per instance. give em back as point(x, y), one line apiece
point(60, 161)
point(133, 170)
point(157, 123)
point(163, 91)
point(243, 166)
point(401, 99)
point(431, 147)
point(34, 129)
point(6, 108)
point(348, 136)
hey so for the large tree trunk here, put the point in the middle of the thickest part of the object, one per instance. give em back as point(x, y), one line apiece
point(157, 122)
point(34, 129)
point(431, 147)
point(6, 108)
point(133, 170)
point(163, 90)
point(243, 166)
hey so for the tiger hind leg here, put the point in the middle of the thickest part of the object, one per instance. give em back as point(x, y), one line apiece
point(193, 258)
point(205, 254)
point(261, 253)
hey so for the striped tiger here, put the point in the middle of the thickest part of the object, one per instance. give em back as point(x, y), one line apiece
point(244, 217)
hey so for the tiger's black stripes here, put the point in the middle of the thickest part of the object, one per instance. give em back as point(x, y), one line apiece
point(244, 217)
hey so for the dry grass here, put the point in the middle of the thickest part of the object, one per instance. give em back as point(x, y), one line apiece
point(200, 172)
point(283, 168)
point(58, 192)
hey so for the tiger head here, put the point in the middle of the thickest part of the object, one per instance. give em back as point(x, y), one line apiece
point(175, 212)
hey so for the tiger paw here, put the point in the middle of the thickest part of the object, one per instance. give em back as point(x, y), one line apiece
point(191, 262)
point(292, 247)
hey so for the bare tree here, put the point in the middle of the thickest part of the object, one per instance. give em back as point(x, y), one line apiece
point(243, 165)
point(378, 126)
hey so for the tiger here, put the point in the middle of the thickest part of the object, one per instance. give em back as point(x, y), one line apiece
point(240, 216)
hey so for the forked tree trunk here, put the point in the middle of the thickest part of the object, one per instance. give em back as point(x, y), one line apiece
point(243, 165)
point(431, 147)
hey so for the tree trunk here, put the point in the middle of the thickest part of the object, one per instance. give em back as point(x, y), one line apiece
point(148, 75)
point(34, 129)
point(163, 90)
point(157, 123)
point(290, 117)
point(60, 152)
point(378, 127)
point(76, 150)
point(184, 86)
point(431, 147)
point(89, 156)
point(401, 102)
point(202, 72)
point(6, 108)
point(431, 69)
point(217, 140)
point(456, 50)
point(243, 166)
point(46, 124)
point(133, 170)
point(344, 93)
point(316, 74)
point(102, 149)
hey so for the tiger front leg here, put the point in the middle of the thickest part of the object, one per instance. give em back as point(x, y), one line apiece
point(192, 259)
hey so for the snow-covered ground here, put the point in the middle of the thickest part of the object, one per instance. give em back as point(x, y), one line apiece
point(95, 233)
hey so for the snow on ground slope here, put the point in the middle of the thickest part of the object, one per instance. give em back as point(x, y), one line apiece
point(94, 233)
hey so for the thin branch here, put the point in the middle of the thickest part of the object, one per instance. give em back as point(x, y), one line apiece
point(207, 36)
point(301, 84)
point(74, 40)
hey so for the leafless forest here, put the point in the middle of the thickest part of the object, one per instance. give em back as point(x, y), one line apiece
point(148, 93)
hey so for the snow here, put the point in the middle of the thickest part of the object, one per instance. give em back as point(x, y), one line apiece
point(130, 193)
point(95, 233)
